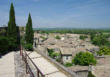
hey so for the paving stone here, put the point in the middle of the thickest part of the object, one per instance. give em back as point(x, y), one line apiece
point(7, 67)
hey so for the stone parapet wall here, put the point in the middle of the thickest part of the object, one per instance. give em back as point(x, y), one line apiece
point(58, 65)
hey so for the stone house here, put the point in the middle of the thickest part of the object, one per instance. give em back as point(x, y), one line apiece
point(81, 71)
point(55, 48)
point(66, 55)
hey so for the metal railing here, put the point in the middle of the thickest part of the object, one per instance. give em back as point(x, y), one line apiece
point(31, 67)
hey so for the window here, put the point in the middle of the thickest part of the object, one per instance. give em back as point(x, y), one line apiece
point(66, 57)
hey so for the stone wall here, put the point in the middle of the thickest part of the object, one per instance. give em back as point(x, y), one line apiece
point(58, 65)
point(82, 73)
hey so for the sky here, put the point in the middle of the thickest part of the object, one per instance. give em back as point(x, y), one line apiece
point(58, 13)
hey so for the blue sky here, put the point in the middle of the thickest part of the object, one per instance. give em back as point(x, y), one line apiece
point(59, 13)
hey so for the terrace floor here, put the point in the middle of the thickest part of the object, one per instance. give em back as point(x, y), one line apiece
point(7, 66)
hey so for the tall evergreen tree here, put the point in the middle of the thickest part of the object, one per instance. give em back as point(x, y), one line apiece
point(12, 29)
point(29, 31)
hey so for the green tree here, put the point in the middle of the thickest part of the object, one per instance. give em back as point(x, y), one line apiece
point(90, 74)
point(58, 37)
point(104, 50)
point(28, 47)
point(4, 44)
point(29, 36)
point(84, 58)
point(12, 29)
point(50, 51)
point(83, 37)
point(99, 39)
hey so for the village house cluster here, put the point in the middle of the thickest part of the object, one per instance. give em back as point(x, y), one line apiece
point(67, 45)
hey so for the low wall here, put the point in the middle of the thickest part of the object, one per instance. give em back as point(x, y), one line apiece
point(58, 65)
point(82, 73)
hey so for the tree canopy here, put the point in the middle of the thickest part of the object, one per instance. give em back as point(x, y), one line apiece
point(29, 36)
point(104, 50)
point(99, 39)
point(4, 44)
point(84, 58)
point(29, 31)
point(12, 29)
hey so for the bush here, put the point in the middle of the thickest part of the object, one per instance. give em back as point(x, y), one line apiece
point(50, 51)
point(4, 44)
point(55, 55)
point(57, 37)
point(104, 51)
point(68, 64)
point(83, 37)
point(12, 44)
point(29, 47)
point(84, 58)
point(96, 40)
point(90, 74)
point(58, 59)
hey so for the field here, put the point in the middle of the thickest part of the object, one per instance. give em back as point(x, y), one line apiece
point(75, 31)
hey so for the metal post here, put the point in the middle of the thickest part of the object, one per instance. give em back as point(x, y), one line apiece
point(26, 69)
point(25, 58)
point(21, 53)
point(20, 50)
point(37, 73)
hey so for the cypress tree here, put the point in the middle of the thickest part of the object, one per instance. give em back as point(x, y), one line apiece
point(12, 29)
point(29, 36)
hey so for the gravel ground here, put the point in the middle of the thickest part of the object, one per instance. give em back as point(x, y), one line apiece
point(20, 70)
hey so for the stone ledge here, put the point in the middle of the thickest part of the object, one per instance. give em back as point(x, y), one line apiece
point(58, 65)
